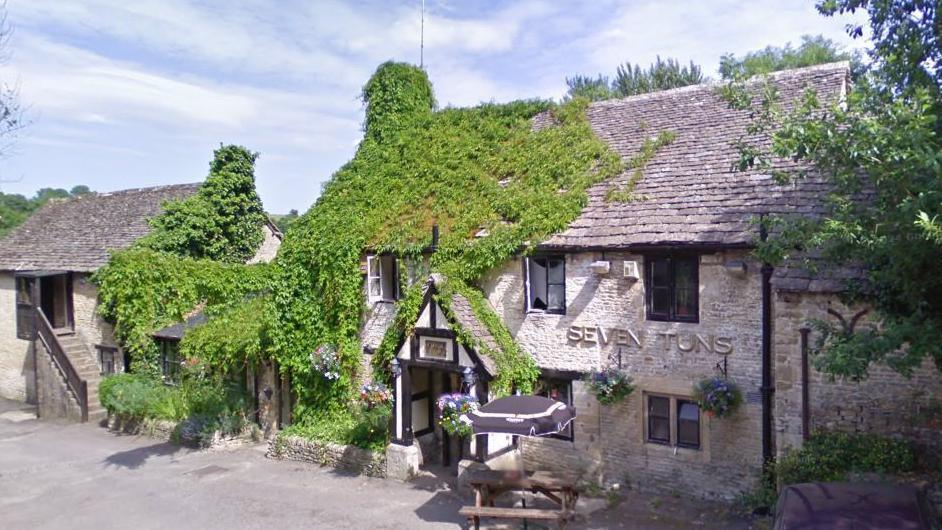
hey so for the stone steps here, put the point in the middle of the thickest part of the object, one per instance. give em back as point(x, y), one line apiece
point(88, 369)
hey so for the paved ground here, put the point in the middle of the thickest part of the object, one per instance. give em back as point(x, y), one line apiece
point(59, 475)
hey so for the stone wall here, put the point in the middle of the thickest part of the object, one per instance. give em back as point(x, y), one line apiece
point(269, 247)
point(91, 328)
point(17, 376)
point(609, 441)
point(341, 457)
point(886, 403)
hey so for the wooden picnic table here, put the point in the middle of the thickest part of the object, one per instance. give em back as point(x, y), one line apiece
point(490, 484)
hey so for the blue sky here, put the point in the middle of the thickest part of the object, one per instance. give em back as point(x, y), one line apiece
point(138, 93)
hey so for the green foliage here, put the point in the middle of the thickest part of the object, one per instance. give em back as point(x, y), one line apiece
point(592, 88)
point(233, 338)
point(812, 50)
point(15, 208)
point(881, 154)
point(397, 97)
point(222, 221)
point(360, 426)
point(284, 222)
point(460, 169)
point(609, 386)
point(632, 79)
point(831, 457)
point(141, 291)
point(649, 148)
point(139, 397)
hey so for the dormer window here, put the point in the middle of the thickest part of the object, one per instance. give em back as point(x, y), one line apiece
point(382, 279)
point(546, 284)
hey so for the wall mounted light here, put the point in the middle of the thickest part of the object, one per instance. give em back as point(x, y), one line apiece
point(467, 376)
point(736, 267)
point(396, 367)
point(601, 267)
point(631, 270)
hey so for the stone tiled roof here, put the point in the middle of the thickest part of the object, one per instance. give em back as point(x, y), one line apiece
point(815, 276)
point(381, 316)
point(176, 331)
point(76, 234)
point(464, 315)
point(689, 194)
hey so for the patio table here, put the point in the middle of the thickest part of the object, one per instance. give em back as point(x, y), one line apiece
point(489, 484)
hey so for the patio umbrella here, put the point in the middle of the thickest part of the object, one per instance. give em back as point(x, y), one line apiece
point(521, 416)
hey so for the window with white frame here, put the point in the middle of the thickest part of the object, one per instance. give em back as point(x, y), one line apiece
point(382, 278)
point(671, 420)
point(546, 284)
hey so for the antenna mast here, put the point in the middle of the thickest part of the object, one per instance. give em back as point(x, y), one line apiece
point(422, 39)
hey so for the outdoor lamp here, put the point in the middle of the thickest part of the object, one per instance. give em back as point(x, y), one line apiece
point(396, 367)
point(467, 376)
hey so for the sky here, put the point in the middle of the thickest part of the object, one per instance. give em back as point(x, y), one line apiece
point(125, 94)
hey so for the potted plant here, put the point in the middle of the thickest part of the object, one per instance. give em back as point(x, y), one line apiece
point(326, 361)
point(452, 407)
point(609, 385)
point(717, 396)
point(374, 394)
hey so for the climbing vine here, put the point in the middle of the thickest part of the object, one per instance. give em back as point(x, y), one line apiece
point(469, 171)
point(637, 163)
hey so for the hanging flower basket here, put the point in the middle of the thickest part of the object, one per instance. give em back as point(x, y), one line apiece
point(374, 394)
point(717, 396)
point(452, 407)
point(609, 386)
point(326, 362)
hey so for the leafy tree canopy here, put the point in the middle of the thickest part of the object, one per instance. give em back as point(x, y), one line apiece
point(812, 50)
point(632, 79)
point(881, 152)
point(222, 221)
point(284, 222)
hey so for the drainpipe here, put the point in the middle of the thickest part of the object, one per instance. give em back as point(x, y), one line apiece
point(805, 402)
point(767, 386)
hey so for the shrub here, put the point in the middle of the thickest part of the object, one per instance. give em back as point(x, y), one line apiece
point(357, 425)
point(830, 457)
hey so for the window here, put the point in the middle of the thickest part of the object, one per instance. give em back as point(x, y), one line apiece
point(107, 357)
point(673, 288)
point(688, 424)
point(659, 419)
point(169, 360)
point(24, 308)
point(382, 278)
point(546, 284)
point(560, 390)
point(672, 421)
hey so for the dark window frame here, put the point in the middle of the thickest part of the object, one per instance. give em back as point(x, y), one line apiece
point(650, 288)
point(681, 403)
point(170, 365)
point(528, 284)
point(107, 358)
point(25, 318)
point(568, 434)
point(649, 416)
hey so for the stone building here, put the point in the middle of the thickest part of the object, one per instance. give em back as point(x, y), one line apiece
point(664, 288)
point(47, 263)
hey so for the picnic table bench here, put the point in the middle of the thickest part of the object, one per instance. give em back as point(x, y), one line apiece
point(489, 484)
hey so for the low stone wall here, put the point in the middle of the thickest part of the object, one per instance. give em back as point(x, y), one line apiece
point(341, 457)
point(167, 431)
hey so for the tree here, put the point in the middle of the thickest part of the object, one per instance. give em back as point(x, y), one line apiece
point(661, 75)
point(591, 88)
point(11, 109)
point(15, 208)
point(222, 221)
point(881, 152)
point(79, 190)
point(631, 80)
point(284, 222)
point(813, 50)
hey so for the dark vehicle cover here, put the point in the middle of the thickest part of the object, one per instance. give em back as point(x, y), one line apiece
point(852, 505)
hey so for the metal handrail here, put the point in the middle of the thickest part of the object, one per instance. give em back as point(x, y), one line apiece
point(77, 385)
